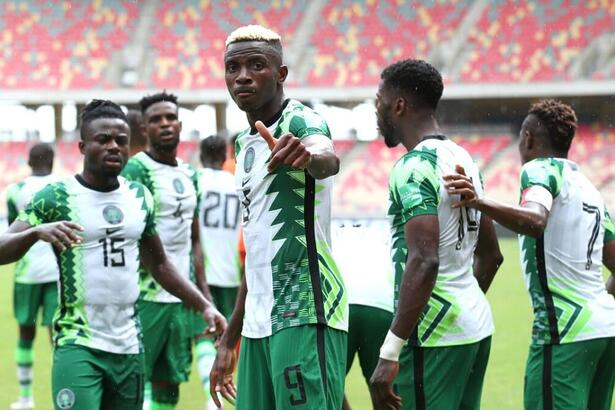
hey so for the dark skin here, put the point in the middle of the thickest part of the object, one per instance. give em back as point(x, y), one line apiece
point(39, 168)
point(401, 120)
point(528, 218)
point(162, 128)
point(254, 76)
point(105, 150)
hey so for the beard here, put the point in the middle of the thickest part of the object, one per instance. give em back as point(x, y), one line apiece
point(166, 146)
point(387, 130)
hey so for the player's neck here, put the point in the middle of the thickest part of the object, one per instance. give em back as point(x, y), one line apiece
point(40, 172)
point(269, 112)
point(419, 128)
point(212, 165)
point(99, 182)
point(165, 157)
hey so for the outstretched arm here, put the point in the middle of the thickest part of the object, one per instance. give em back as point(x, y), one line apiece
point(197, 256)
point(529, 218)
point(314, 153)
point(20, 236)
point(155, 261)
point(487, 255)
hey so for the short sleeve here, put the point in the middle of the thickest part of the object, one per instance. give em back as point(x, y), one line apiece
point(416, 187)
point(609, 228)
point(135, 171)
point(306, 123)
point(196, 181)
point(42, 208)
point(543, 172)
point(11, 203)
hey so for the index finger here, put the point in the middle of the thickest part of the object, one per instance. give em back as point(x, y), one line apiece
point(72, 225)
point(460, 169)
point(264, 132)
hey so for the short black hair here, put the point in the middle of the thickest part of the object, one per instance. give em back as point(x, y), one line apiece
point(41, 154)
point(213, 148)
point(150, 100)
point(96, 109)
point(416, 78)
point(560, 121)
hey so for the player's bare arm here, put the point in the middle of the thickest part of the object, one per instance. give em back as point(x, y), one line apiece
point(314, 154)
point(155, 261)
point(20, 237)
point(197, 257)
point(529, 218)
point(423, 237)
point(221, 376)
point(487, 255)
point(608, 260)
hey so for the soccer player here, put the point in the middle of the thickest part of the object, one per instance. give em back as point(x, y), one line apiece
point(292, 301)
point(565, 235)
point(220, 233)
point(101, 227)
point(363, 256)
point(36, 273)
point(444, 259)
point(166, 324)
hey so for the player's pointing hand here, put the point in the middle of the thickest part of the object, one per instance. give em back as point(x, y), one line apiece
point(288, 150)
point(61, 235)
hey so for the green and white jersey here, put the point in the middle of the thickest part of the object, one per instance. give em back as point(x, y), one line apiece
point(175, 190)
point(457, 312)
point(563, 267)
point(99, 280)
point(362, 252)
point(291, 276)
point(220, 228)
point(38, 265)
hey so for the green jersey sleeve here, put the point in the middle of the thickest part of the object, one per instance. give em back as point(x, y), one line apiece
point(136, 171)
point(415, 185)
point(43, 207)
point(609, 227)
point(545, 172)
point(148, 205)
point(11, 203)
point(197, 188)
point(302, 122)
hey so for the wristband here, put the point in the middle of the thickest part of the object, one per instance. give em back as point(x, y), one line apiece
point(391, 348)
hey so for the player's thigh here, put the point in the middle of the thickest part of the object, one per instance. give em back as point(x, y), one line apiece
point(376, 323)
point(76, 379)
point(560, 376)
point(254, 384)
point(27, 298)
point(355, 331)
point(49, 302)
point(155, 319)
point(173, 364)
point(601, 393)
point(474, 386)
point(124, 383)
point(308, 366)
point(435, 377)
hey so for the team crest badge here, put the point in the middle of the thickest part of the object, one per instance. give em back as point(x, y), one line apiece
point(113, 214)
point(249, 160)
point(178, 186)
point(65, 399)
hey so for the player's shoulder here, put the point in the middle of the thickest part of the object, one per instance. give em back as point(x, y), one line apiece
point(13, 189)
point(301, 121)
point(548, 172)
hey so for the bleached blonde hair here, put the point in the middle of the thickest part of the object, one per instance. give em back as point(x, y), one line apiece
point(253, 32)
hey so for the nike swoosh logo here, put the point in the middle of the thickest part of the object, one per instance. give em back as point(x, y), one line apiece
point(111, 231)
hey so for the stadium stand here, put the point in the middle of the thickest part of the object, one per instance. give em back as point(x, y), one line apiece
point(529, 40)
point(61, 45)
point(188, 41)
point(355, 39)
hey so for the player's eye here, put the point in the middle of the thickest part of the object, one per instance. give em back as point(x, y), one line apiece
point(231, 68)
point(258, 65)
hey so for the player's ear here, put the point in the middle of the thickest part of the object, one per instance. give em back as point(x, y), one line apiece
point(400, 105)
point(81, 145)
point(282, 73)
point(180, 126)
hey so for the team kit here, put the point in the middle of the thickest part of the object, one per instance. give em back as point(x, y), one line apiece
point(142, 264)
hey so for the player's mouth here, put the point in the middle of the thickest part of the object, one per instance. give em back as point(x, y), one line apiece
point(113, 161)
point(166, 135)
point(244, 92)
